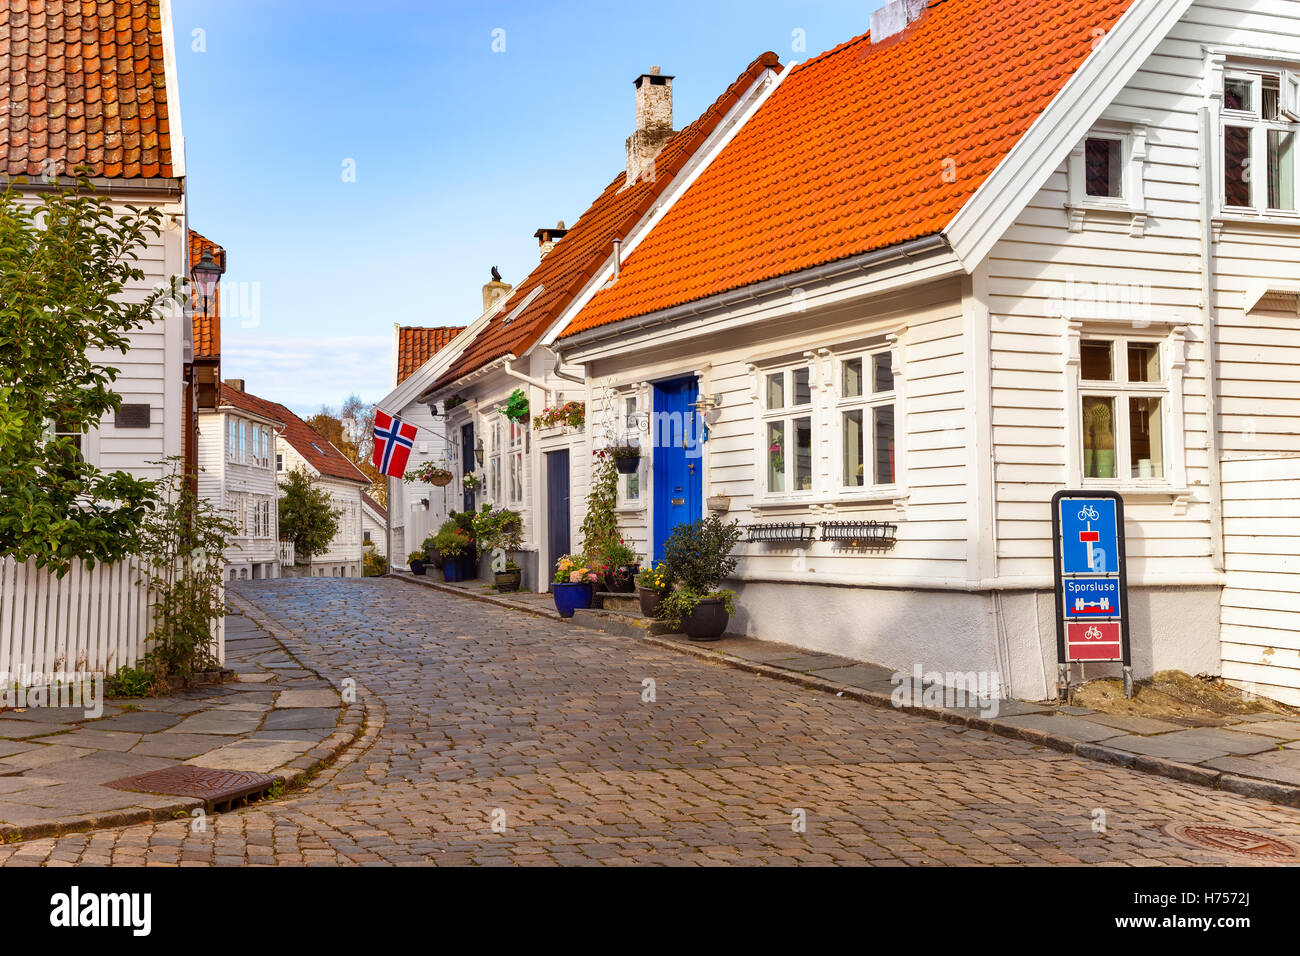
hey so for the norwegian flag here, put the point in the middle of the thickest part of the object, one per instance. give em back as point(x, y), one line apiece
point(394, 439)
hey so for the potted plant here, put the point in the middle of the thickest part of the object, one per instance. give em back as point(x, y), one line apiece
point(432, 556)
point(452, 543)
point(627, 457)
point(620, 569)
point(570, 415)
point(416, 560)
point(501, 530)
point(651, 586)
point(572, 585)
point(430, 474)
point(698, 559)
point(471, 482)
point(516, 407)
point(1099, 449)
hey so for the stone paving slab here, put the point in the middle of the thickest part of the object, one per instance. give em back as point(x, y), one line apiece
point(53, 770)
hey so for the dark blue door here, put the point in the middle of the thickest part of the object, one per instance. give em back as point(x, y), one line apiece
point(678, 463)
point(557, 508)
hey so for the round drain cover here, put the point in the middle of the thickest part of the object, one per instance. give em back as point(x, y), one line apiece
point(1248, 843)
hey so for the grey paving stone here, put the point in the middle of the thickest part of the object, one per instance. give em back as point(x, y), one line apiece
point(100, 766)
point(807, 662)
point(305, 718)
point(260, 677)
point(1075, 728)
point(119, 741)
point(307, 698)
point(142, 722)
point(312, 736)
point(258, 704)
point(1280, 729)
point(856, 674)
point(70, 799)
point(1192, 746)
point(10, 747)
point(260, 756)
point(1264, 766)
point(40, 756)
point(26, 729)
point(178, 746)
point(1136, 725)
point(44, 715)
point(218, 722)
point(24, 782)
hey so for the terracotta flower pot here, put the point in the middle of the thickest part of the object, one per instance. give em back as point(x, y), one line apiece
point(650, 601)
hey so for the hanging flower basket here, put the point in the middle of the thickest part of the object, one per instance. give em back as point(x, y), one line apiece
point(570, 415)
point(471, 482)
point(516, 407)
point(430, 474)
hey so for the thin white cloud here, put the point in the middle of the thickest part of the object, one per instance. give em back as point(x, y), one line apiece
point(305, 373)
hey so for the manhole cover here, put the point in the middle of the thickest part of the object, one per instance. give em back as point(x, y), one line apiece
point(219, 789)
point(1257, 846)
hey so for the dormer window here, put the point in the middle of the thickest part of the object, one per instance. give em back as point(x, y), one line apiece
point(1104, 167)
point(1106, 174)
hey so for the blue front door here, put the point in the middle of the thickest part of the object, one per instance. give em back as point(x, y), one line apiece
point(678, 461)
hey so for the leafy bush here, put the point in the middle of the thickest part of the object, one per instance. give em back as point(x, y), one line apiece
point(65, 263)
point(451, 540)
point(373, 564)
point(679, 604)
point(698, 555)
point(308, 517)
point(184, 541)
point(516, 407)
point(499, 530)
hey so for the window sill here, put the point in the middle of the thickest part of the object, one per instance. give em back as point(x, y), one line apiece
point(1232, 217)
point(890, 496)
point(1136, 215)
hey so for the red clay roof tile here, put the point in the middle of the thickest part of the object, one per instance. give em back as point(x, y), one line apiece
point(416, 345)
point(56, 56)
point(863, 147)
point(306, 441)
point(589, 243)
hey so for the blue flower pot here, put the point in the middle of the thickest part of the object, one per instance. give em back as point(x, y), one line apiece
point(468, 563)
point(451, 570)
point(570, 597)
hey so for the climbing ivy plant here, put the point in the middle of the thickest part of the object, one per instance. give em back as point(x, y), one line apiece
point(600, 534)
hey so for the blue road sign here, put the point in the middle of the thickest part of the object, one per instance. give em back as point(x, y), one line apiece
point(1091, 598)
point(1089, 536)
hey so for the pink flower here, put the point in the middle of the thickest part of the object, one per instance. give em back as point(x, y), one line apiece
point(575, 577)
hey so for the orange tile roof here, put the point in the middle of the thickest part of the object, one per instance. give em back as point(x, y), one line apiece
point(855, 149)
point(416, 345)
point(306, 441)
point(83, 83)
point(207, 323)
point(589, 243)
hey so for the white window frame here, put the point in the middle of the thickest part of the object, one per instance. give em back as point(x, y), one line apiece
point(494, 460)
point(1171, 339)
point(629, 432)
point(1130, 131)
point(788, 415)
point(517, 438)
point(232, 438)
point(1242, 65)
point(869, 400)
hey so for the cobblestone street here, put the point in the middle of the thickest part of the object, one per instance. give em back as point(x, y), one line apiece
point(480, 715)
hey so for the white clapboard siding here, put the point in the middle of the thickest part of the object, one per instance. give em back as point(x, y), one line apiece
point(91, 620)
point(1260, 618)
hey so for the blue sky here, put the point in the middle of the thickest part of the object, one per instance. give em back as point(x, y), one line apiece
point(460, 153)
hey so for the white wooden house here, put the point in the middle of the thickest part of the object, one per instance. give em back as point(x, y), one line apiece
point(298, 446)
point(237, 462)
point(374, 525)
point(947, 286)
point(542, 473)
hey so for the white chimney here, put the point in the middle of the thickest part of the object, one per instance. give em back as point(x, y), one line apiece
point(654, 122)
point(894, 17)
point(548, 236)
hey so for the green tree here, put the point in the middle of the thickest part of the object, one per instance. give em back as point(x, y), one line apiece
point(65, 262)
point(308, 517)
point(352, 431)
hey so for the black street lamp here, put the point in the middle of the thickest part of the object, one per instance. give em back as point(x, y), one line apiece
point(205, 275)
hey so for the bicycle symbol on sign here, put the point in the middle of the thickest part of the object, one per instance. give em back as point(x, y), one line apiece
point(1088, 513)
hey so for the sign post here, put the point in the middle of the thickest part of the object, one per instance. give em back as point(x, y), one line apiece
point(1091, 583)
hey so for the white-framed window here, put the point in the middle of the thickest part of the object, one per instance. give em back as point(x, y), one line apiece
point(518, 437)
point(494, 462)
point(786, 422)
point(864, 419)
point(1124, 408)
point(58, 429)
point(232, 439)
point(279, 462)
point(243, 441)
point(1257, 146)
point(1106, 172)
point(629, 490)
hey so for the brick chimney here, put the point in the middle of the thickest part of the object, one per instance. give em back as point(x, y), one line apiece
point(236, 383)
point(547, 237)
point(654, 122)
point(894, 17)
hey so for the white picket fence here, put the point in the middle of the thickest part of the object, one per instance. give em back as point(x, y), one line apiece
point(94, 620)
